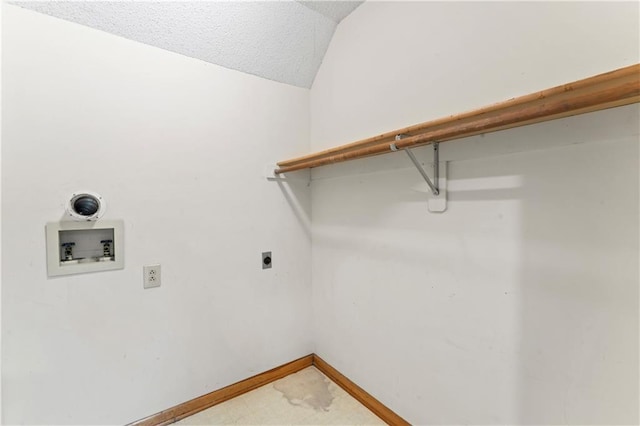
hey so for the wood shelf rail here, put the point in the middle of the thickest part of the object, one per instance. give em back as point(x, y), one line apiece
point(612, 89)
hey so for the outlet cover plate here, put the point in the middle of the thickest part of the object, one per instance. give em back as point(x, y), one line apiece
point(151, 276)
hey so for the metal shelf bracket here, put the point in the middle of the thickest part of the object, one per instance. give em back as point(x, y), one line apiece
point(436, 169)
point(438, 200)
point(270, 175)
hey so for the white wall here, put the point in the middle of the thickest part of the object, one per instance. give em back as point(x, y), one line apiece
point(519, 305)
point(1, 10)
point(177, 147)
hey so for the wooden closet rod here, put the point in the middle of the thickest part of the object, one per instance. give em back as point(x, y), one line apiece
point(608, 90)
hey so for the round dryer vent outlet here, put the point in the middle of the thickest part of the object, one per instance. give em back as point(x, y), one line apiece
point(86, 205)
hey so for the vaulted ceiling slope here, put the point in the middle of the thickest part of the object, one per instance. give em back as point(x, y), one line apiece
point(283, 41)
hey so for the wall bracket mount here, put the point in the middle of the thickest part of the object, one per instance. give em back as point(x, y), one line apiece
point(438, 186)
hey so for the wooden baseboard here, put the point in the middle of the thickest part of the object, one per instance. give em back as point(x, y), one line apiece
point(375, 406)
point(203, 402)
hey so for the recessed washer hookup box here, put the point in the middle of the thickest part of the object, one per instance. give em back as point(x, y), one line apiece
point(81, 247)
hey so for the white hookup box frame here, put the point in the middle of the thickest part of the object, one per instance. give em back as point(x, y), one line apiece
point(88, 247)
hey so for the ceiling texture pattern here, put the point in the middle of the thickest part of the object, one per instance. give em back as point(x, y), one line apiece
point(283, 41)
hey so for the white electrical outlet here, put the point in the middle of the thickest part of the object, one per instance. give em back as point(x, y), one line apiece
point(151, 276)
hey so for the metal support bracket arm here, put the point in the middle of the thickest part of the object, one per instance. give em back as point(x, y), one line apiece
point(435, 189)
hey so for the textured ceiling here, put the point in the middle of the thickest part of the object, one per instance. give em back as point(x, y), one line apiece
point(283, 41)
point(334, 10)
